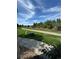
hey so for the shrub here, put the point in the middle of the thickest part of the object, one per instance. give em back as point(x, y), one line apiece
point(34, 36)
point(55, 53)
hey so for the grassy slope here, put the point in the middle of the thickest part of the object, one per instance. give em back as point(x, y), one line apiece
point(49, 39)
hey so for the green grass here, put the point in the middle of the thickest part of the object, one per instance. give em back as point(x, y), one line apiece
point(20, 32)
point(49, 39)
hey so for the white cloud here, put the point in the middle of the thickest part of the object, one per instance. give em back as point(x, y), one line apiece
point(35, 21)
point(53, 9)
point(25, 23)
point(28, 6)
point(27, 16)
point(40, 4)
point(54, 16)
point(42, 16)
point(51, 17)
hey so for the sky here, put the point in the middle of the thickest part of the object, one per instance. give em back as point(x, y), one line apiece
point(32, 11)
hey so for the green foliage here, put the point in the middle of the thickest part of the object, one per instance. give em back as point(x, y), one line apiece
point(46, 38)
point(55, 53)
point(21, 32)
point(24, 34)
point(54, 25)
point(34, 36)
point(49, 24)
point(49, 39)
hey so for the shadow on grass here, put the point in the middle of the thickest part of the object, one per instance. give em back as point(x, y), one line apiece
point(32, 35)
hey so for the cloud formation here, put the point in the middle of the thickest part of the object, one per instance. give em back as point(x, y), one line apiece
point(53, 9)
point(30, 11)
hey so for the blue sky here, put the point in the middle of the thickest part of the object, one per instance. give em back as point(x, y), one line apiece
point(31, 11)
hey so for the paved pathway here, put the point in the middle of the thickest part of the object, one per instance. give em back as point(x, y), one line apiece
point(51, 33)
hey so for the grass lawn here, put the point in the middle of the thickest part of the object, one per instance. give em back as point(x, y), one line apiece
point(49, 39)
point(20, 31)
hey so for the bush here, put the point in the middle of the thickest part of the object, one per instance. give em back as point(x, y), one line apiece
point(34, 36)
point(20, 32)
point(55, 53)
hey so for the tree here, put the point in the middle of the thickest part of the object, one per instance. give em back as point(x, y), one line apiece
point(49, 24)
